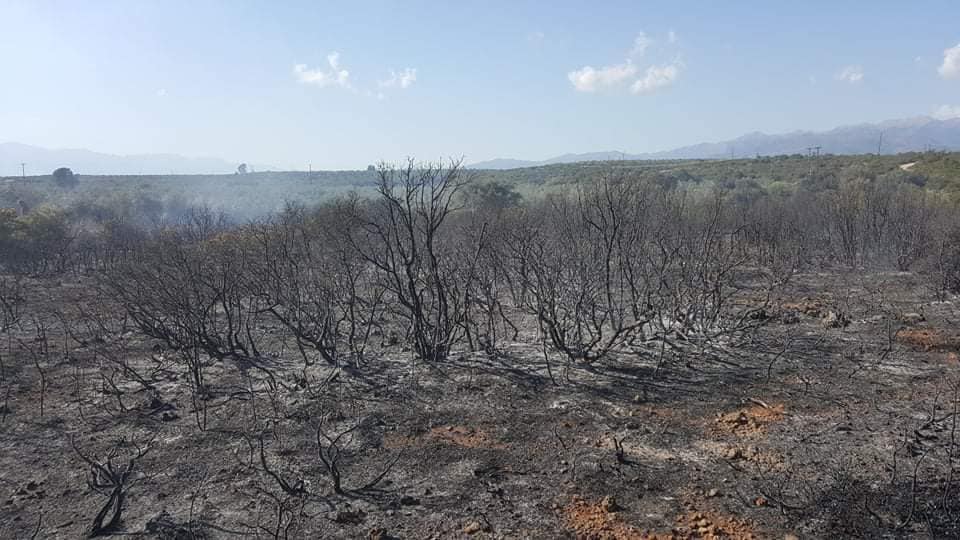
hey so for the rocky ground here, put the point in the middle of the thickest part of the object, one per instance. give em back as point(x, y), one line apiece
point(837, 420)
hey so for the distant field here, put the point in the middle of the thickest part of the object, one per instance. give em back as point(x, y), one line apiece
point(256, 194)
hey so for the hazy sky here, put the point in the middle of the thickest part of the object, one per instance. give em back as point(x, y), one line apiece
point(344, 84)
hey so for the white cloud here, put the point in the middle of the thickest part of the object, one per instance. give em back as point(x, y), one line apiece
point(947, 112)
point(655, 78)
point(626, 74)
point(335, 76)
point(640, 44)
point(536, 37)
point(590, 79)
point(162, 92)
point(950, 69)
point(404, 79)
point(851, 74)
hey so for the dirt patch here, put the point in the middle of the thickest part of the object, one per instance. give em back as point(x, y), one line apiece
point(712, 526)
point(752, 420)
point(808, 306)
point(599, 520)
point(766, 459)
point(928, 340)
point(465, 436)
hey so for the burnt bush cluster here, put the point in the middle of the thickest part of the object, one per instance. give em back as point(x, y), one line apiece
point(435, 262)
point(612, 267)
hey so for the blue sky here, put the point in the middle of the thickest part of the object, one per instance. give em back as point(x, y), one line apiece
point(385, 80)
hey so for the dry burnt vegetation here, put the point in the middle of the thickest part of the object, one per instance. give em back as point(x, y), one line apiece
point(629, 359)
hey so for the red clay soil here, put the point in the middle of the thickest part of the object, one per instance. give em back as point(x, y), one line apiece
point(465, 436)
point(600, 521)
point(928, 339)
point(752, 420)
point(807, 306)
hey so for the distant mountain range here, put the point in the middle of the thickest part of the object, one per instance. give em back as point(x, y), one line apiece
point(43, 161)
point(906, 135)
point(911, 134)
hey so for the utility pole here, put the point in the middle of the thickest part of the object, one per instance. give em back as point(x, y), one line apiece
point(23, 170)
point(880, 144)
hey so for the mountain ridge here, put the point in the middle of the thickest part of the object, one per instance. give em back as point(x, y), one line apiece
point(898, 135)
point(43, 161)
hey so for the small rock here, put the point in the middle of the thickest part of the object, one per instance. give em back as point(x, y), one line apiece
point(472, 527)
point(912, 318)
point(790, 317)
point(349, 518)
point(734, 453)
point(713, 492)
point(609, 504)
point(407, 500)
point(834, 319)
